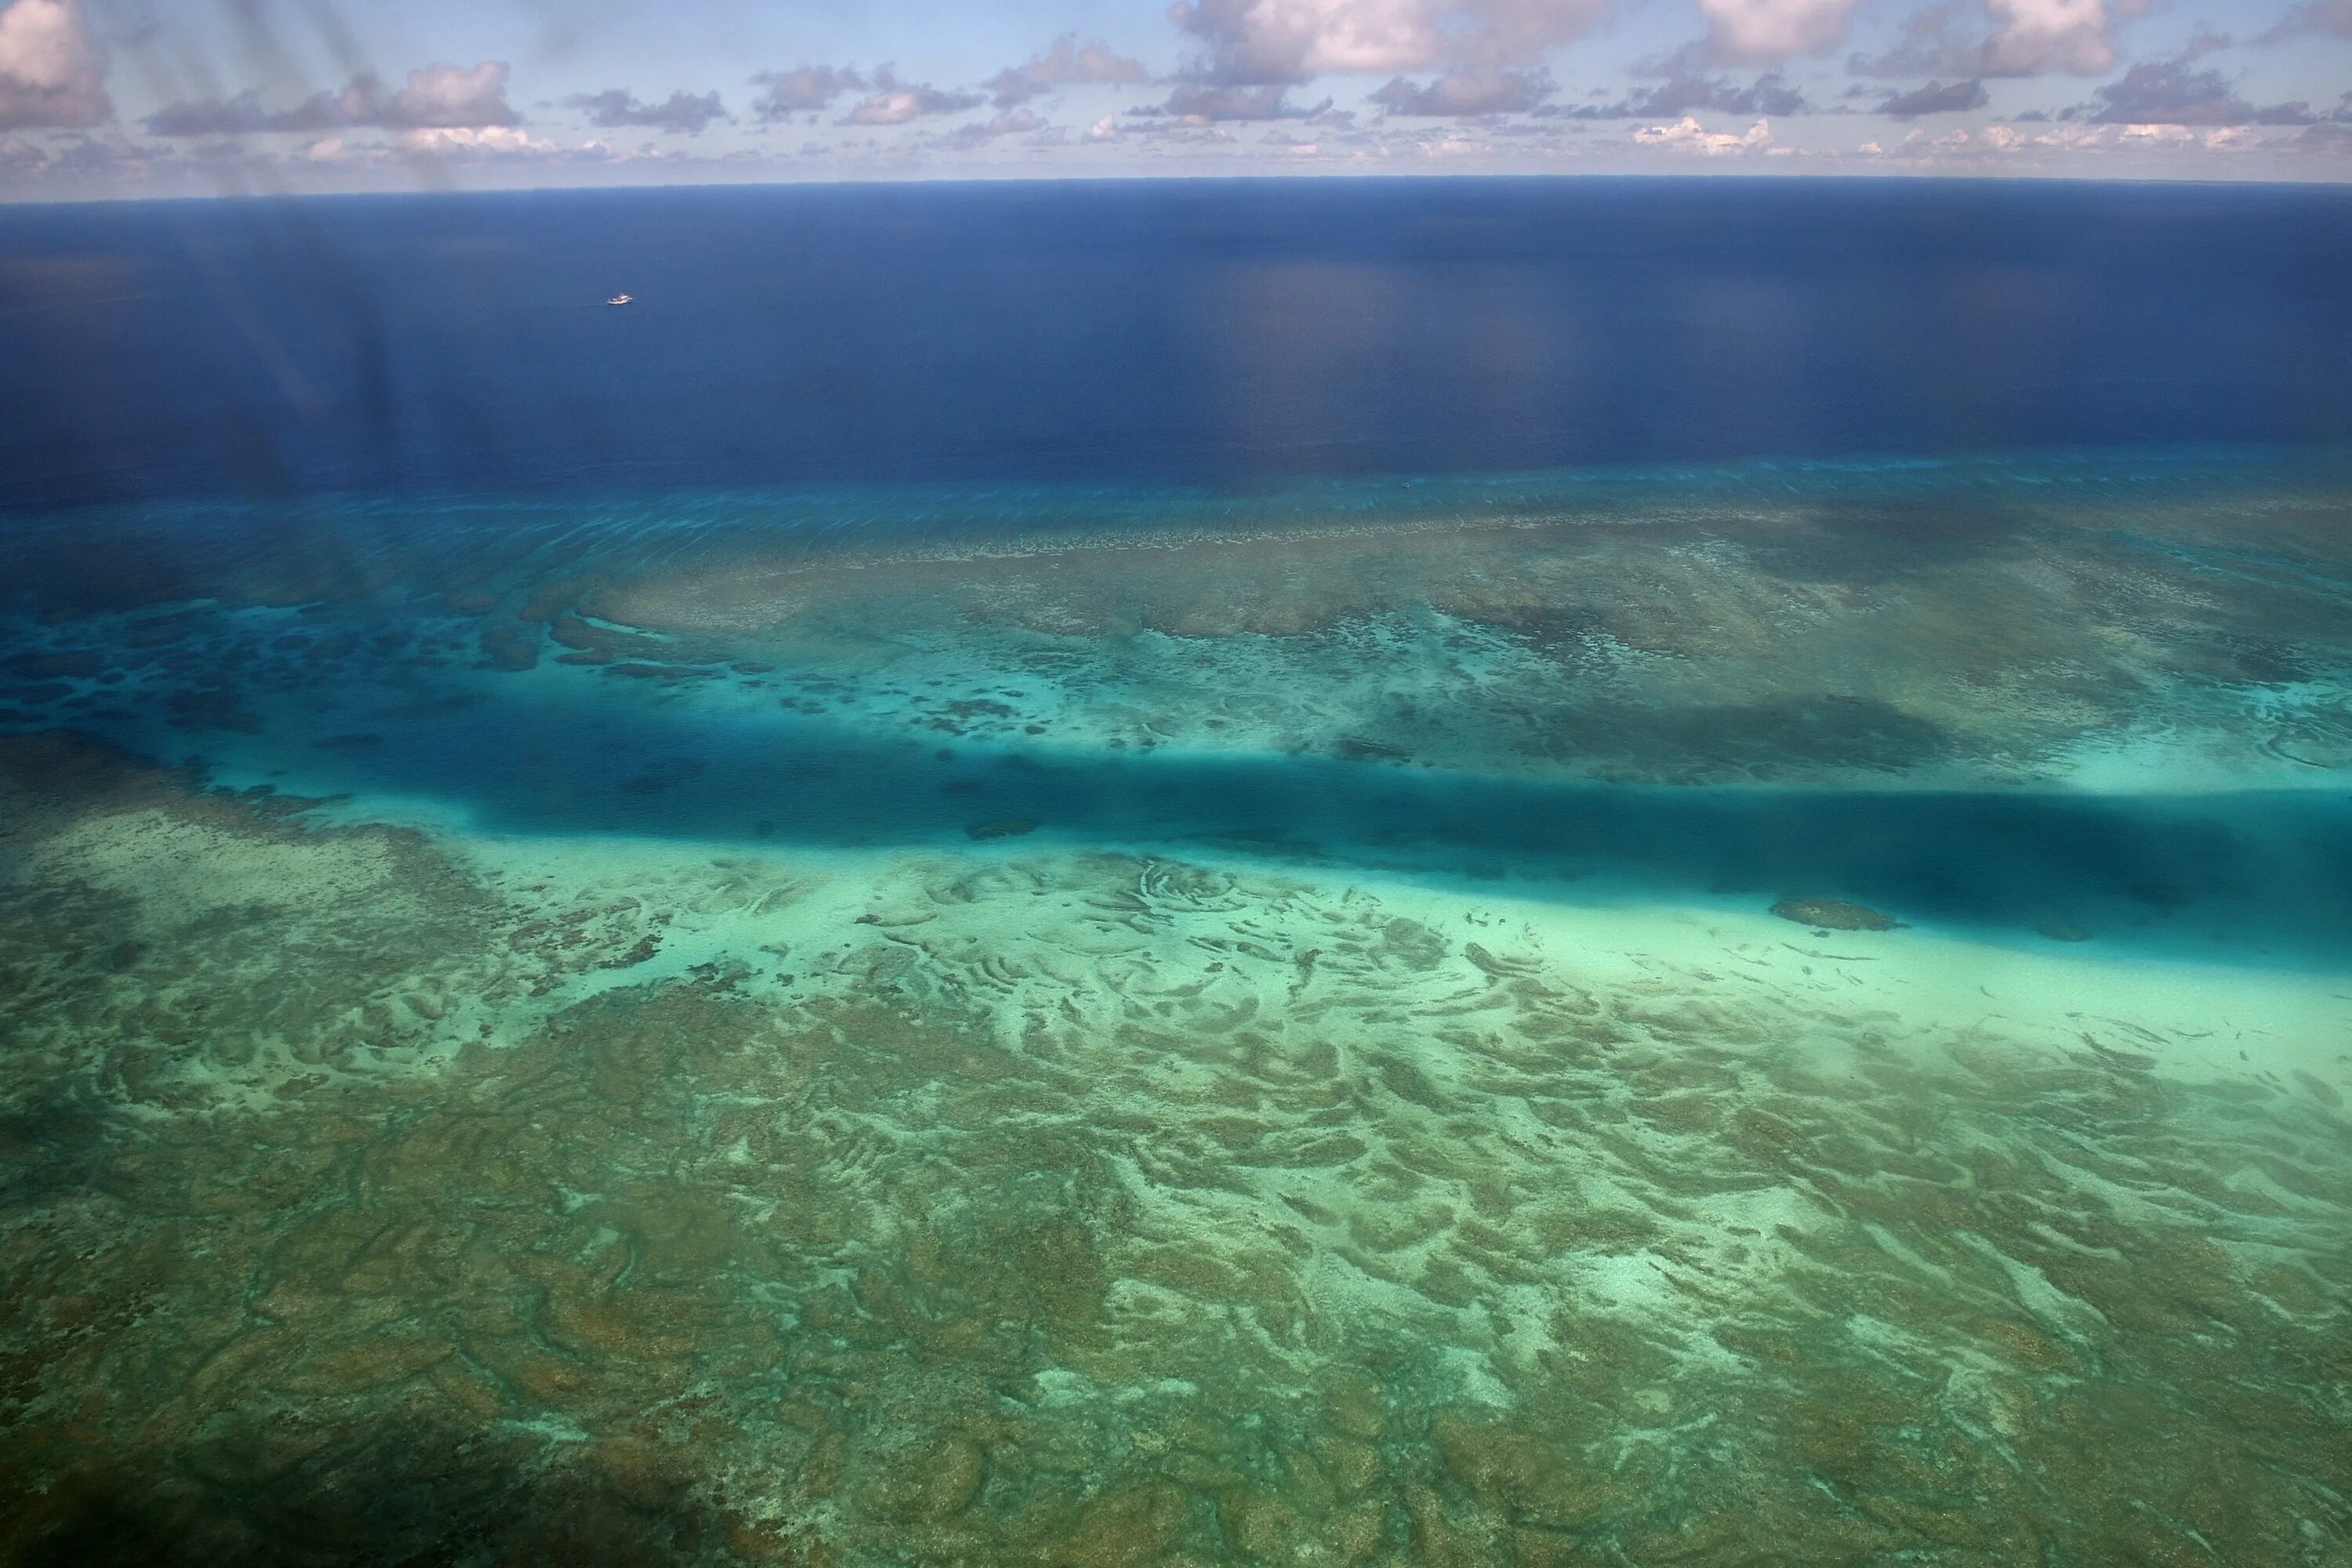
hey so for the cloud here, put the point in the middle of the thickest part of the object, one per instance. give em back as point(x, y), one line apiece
point(1936, 98)
point(444, 96)
point(803, 90)
point(2086, 144)
point(112, 152)
point(1682, 93)
point(1201, 104)
point(1486, 53)
point(243, 115)
point(1936, 40)
point(2004, 38)
point(1104, 130)
point(1467, 93)
point(2171, 92)
point(1687, 135)
point(1765, 32)
point(1010, 123)
point(885, 101)
point(686, 112)
point(435, 97)
point(893, 103)
point(52, 67)
point(1068, 63)
point(2313, 18)
point(1261, 42)
point(1987, 143)
point(2034, 37)
point(477, 141)
point(1257, 43)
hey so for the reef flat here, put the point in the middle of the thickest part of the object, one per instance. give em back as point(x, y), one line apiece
point(365, 1201)
point(1979, 622)
point(1734, 1017)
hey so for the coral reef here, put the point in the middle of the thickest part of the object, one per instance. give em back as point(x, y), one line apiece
point(365, 1198)
point(1985, 622)
point(1835, 914)
point(1184, 1030)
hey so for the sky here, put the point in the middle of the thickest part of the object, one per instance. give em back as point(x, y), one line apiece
point(125, 98)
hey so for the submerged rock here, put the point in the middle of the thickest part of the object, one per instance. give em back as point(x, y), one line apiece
point(1835, 914)
point(510, 647)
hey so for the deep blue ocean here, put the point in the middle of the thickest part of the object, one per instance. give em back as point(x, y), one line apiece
point(1225, 334)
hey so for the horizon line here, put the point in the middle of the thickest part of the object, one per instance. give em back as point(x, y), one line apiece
point(1718, 176)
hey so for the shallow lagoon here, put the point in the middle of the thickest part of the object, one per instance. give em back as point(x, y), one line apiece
point(871, 1028)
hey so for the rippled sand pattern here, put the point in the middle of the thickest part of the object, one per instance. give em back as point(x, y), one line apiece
point(363, 1199)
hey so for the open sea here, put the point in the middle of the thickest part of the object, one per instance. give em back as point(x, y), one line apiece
point(1291, 873)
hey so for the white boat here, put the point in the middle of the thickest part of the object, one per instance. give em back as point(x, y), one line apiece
point(618, 299)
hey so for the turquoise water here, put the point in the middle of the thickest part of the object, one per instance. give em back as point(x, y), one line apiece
point(1773, 1012)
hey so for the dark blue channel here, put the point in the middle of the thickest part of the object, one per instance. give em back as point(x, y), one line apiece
point(2253, 876)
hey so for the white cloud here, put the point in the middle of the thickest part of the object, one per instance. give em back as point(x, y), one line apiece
point(52, 70)
point(1104, 130)
point(481, 141)
point(1260, 42)
point(2005, 38)
point(1765, 32)
point(2084, 147)
point(1687, 135)
point(2033, 38)
point(887, 108)
point(442, 95)
point(893, 102)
